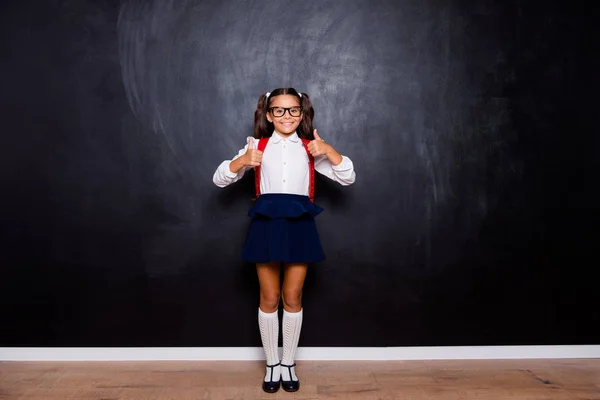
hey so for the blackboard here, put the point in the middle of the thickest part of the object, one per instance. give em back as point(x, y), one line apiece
point(473, 219)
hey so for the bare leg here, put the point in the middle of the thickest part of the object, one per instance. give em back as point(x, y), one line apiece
point(268, 279)
point(293, 283)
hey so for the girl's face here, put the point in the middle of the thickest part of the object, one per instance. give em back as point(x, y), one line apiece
point(286, 124)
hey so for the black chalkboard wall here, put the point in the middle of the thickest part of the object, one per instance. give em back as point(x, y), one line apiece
point(472, 126)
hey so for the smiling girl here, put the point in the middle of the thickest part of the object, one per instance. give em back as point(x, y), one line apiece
point(285, 151)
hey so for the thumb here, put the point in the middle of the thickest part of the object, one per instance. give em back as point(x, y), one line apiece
point(316, 135)
point(251, 143)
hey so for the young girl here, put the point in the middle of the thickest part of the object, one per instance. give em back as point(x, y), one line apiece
point(282, 229)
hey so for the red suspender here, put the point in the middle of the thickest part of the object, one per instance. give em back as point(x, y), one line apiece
point(262, 144)
point(311, 171)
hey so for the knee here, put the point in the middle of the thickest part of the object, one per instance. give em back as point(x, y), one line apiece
point(269, 302)
point(292, 300)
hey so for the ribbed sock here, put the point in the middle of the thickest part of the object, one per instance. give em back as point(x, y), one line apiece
point(292, 324)
point(269, 334)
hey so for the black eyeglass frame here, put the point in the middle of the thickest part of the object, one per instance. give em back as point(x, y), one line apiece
point(288, 109)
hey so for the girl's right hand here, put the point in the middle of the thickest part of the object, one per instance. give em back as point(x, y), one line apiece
point(252, 157)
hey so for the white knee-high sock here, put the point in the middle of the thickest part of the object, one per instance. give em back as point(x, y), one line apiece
point(292, 324)
point(269, 334)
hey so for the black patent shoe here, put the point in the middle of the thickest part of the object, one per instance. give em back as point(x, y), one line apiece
point(271, 386)
point(290, 386)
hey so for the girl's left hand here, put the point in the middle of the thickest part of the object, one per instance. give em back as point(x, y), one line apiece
point(318, 147)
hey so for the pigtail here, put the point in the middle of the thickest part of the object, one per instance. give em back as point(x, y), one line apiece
point(262, 126)
point(305, 129)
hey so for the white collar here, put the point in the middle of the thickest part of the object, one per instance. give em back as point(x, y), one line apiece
point(276, 137)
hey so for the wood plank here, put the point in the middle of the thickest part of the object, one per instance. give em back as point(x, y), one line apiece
point(348, 380)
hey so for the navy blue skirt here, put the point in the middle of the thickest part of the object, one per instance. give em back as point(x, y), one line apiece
point(283, 229)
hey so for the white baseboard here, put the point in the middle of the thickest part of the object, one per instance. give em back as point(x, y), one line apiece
point(303, 353)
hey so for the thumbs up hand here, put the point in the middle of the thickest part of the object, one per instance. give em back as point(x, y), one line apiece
point(252, 157)
point(318, 147)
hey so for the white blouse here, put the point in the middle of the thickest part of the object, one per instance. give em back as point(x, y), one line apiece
point(284, 167)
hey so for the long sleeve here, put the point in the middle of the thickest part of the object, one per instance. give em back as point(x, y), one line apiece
point(223, 175)
point(343, 173)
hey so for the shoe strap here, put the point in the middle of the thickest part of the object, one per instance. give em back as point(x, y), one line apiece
point(289, 367)
point(272, 366)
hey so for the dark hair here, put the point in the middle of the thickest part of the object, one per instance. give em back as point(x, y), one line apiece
point(264, 128)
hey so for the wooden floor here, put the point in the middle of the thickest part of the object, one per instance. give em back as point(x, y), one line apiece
point(414, 380)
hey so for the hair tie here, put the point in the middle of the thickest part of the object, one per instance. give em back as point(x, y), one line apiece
point(268, 94)
point(299, 94)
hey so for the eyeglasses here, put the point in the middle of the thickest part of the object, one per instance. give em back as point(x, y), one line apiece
point(280, 111)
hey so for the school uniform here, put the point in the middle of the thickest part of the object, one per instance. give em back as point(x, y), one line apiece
point(282, 218)
point(283, 229)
